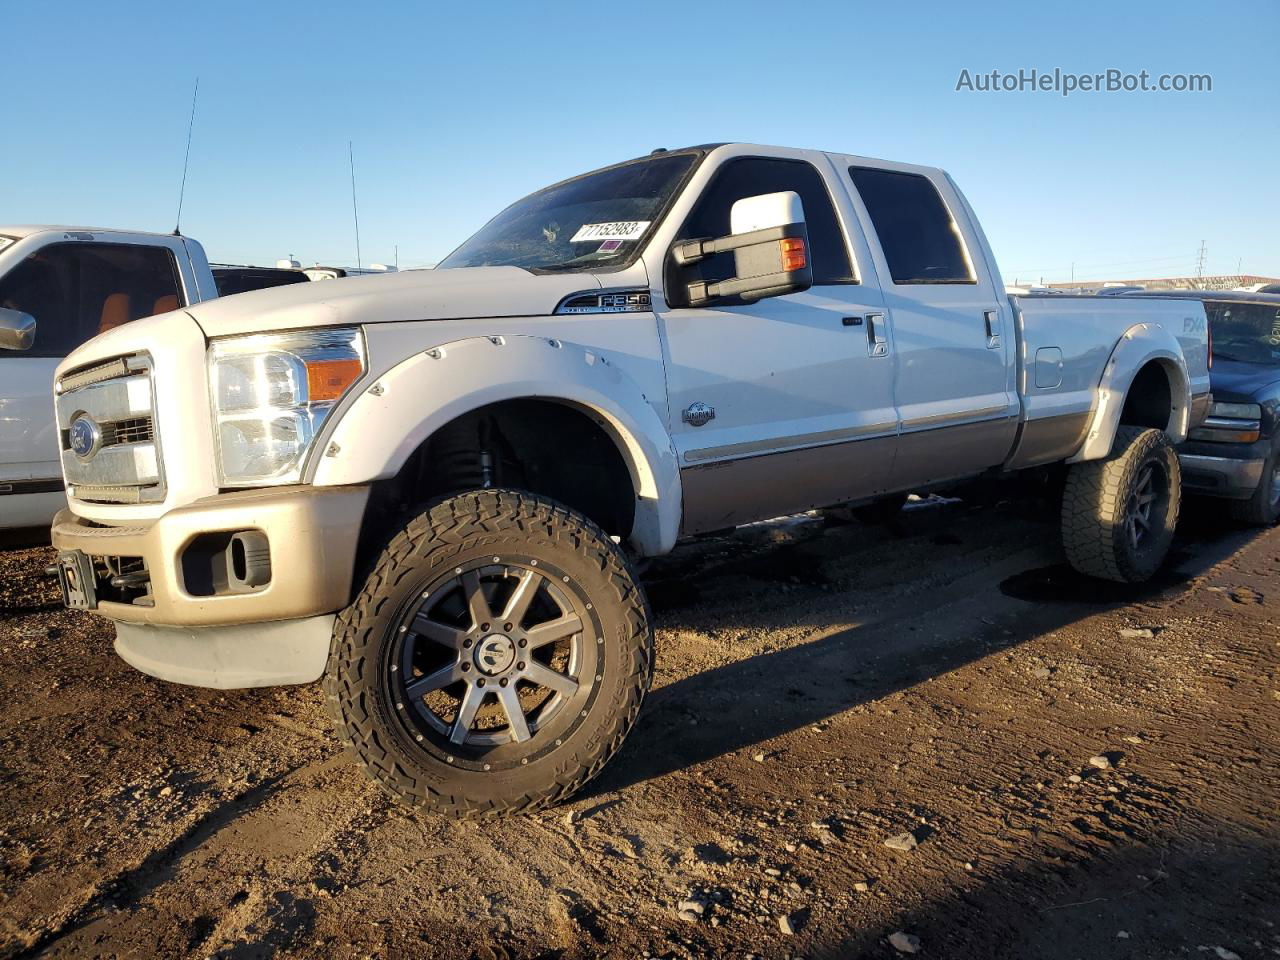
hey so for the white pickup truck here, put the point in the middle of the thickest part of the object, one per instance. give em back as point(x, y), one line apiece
point(429, 487)
point(61, 286)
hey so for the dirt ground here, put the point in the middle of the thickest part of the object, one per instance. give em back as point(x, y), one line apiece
point(819, 690)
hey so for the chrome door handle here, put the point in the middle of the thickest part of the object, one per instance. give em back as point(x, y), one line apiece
point(992, 319)
point(877, 341)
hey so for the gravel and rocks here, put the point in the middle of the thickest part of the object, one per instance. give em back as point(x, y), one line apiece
point(891, 689)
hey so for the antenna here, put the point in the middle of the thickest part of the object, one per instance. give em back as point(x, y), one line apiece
point(355, 213)
point(182, 190)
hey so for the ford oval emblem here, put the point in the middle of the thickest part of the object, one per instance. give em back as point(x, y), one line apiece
point(85, 436)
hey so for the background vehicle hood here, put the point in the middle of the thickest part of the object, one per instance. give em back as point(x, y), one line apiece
point(413, 295)
point(1242, 382)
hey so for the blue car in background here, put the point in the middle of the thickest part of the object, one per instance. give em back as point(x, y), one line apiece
point(1235, 453)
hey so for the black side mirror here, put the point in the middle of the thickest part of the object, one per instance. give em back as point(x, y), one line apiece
point(770, 245)
point(17, 329)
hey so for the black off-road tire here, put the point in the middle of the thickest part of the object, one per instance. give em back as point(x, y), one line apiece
point(448, 535)
point(1263, 508)
point(1098, 502)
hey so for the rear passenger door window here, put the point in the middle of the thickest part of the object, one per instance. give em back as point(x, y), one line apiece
point(77, 290)
point(919, 237)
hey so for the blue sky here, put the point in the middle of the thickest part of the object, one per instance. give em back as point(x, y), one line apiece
point(457, 109)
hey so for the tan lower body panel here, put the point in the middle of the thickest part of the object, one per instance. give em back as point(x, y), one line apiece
point(1050, 439)
point(740, 491)
point(312, 533)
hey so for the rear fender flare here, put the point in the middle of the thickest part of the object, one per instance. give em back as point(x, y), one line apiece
point(401, 408)
point(1141, 344)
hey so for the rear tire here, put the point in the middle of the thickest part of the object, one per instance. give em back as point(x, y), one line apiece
point(1263, 508)
point(1119, 514)
point(495, 659)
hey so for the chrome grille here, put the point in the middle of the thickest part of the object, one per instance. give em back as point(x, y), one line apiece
point(119, 457)
point(137, 430)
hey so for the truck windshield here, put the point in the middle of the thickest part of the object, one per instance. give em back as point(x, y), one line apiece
point(1245, 332)
point(597, 220)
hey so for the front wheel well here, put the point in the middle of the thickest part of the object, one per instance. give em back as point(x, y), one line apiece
point(546, 447)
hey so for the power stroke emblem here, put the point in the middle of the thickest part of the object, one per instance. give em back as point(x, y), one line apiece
point(697, 414)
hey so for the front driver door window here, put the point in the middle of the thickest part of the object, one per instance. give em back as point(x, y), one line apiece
point(802, 412)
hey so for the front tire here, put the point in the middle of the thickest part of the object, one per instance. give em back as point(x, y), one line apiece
point(495, 659)
point(1119, 514)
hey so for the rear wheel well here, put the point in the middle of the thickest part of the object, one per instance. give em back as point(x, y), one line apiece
point(546, 447)
point(1149, 402)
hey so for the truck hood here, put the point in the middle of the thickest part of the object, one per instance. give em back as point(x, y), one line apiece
point(1241, 382)
point(459, 294)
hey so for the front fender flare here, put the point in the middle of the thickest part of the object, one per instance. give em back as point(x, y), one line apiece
point(1141, 344)
point(404, 406)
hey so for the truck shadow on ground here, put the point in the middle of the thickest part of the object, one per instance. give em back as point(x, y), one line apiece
point(748, 702)
point(1185, 894)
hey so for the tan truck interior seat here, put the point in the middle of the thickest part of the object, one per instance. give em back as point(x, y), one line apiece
point(115, 312)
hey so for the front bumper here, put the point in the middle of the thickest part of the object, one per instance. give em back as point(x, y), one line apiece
point(311, 532)
point(1229, 470)
point(229, 657)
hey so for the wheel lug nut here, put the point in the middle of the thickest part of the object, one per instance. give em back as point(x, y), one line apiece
point(480, 682)
point(507, 627)
point(466, 667)
point(466, 643)
point(502, 682)
point(484, 628)
point(520, 665)
point(523, 643)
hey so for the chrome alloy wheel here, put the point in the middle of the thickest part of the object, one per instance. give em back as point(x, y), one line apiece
point(495, 662)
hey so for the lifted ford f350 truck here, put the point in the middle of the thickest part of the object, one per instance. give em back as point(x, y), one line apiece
point(428, 487)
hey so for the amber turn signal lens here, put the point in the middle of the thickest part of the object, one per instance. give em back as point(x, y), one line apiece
point(793, 257)
point(329, 379)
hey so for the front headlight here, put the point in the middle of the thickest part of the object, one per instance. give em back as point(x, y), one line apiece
point(271, 393)
point(1235, 411)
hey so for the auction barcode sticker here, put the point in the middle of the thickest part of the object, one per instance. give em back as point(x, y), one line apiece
point(617, 230)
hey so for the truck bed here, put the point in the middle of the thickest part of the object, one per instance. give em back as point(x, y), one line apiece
point(1065, 343)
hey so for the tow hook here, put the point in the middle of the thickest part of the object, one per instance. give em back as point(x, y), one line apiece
point(131, 581)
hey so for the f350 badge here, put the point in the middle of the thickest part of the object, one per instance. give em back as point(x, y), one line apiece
point(696, 414)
